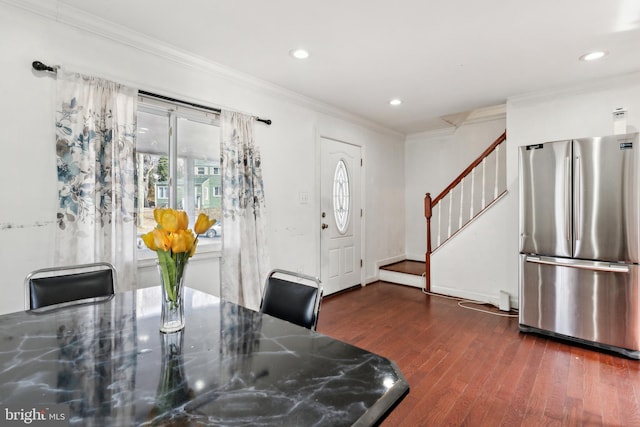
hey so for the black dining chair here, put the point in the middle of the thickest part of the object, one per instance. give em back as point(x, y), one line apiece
point(293, 297)
point(57, 285)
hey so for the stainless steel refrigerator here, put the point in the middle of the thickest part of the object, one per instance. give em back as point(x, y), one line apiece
point(580, 241)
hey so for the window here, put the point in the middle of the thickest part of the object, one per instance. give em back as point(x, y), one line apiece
point(216, 171)
point(161, 194)
point(177, 149)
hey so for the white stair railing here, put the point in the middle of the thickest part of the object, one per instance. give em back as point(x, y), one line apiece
point(480, 185)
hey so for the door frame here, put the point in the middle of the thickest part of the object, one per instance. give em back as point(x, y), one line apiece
point(318, 203)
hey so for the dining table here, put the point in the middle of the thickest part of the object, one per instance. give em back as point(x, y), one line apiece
point(105, 363)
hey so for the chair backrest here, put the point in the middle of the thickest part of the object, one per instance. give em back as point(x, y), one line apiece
point(293, 297)
point(56, 285)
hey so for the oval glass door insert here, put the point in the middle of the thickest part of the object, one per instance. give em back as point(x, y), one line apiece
point(341, 197)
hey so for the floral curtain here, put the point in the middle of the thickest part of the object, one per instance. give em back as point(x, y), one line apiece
point(95, 148)
point(244, 249)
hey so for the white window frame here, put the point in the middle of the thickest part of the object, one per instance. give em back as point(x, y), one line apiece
point(174, 112)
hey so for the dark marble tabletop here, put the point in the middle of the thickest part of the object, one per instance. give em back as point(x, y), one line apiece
point(106, 363)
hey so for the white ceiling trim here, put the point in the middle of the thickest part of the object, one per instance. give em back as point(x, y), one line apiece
point(604, 83)
point(428, 134)
point(78, 19)
point(479, 115)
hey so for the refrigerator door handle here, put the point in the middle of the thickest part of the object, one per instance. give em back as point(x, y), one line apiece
point(585, 265)
point(577, 194)
point(567, 202)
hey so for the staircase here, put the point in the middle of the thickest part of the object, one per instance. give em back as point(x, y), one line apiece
point(474, 191)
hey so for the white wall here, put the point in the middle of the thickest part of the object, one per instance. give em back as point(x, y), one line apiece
point(483, 259)
point(289, 146)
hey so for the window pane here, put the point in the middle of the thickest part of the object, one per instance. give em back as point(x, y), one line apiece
point(152, 158)
point(198, 162)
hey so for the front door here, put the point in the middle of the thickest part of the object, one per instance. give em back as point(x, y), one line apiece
point(340, 216)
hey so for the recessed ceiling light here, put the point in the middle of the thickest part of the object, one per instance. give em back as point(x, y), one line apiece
point(299, 53)
point(592, 56)
point(395, 102)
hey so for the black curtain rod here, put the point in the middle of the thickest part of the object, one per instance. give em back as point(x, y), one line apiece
point(39, 66)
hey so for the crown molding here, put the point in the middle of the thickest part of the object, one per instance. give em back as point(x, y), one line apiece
point(479, 115)
point(605, 83)
point(73, 17)
point(492, 112)
point(433, 133)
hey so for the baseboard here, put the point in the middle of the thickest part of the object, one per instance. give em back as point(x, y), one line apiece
point(461, 293)
point(416, 257)
point(418, 282)
point(474, 296)
point(392, 260)
point(370, 280)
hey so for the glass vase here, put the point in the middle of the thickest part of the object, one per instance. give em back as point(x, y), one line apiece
point(172, 315)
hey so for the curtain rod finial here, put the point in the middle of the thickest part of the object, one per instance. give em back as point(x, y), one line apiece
point(39, 66)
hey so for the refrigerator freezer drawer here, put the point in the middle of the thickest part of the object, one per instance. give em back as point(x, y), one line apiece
point(597, 305)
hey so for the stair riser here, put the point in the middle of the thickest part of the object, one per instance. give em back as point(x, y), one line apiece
point(401, 278)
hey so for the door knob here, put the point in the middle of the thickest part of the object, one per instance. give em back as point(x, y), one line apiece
point(325, 226)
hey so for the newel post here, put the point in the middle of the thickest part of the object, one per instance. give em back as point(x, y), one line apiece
point(427, 256)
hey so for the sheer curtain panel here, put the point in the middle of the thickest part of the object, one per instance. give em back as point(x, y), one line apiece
point(95, 141)
point(244, 249)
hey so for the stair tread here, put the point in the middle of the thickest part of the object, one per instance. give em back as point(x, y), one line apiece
point(416, 268)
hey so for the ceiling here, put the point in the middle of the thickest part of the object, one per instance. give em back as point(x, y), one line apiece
point(441, 57)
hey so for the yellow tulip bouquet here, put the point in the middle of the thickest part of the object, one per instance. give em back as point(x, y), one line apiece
point(174, 244)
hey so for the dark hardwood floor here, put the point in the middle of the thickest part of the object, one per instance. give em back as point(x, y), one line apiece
point(467, 368)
